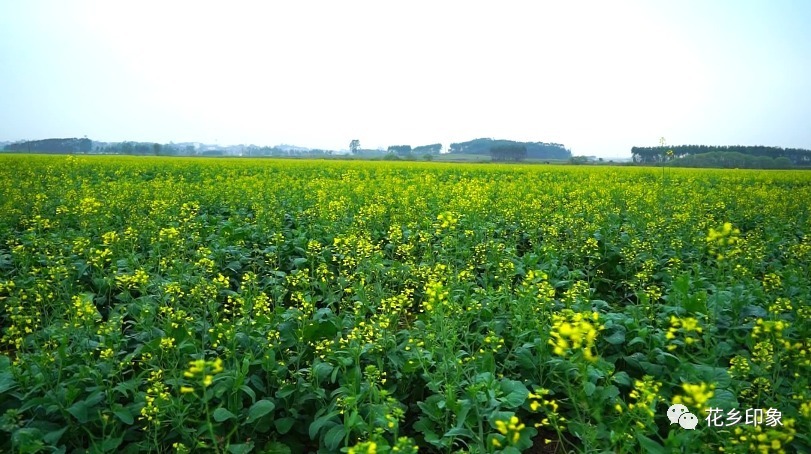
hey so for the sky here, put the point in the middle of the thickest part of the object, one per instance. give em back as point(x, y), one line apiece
point(597, 76)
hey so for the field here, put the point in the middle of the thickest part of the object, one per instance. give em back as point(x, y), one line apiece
point(177, 305)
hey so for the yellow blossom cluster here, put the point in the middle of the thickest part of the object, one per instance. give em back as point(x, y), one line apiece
point(133, 281)
point(644, 395)
point(763, 439)
point(156, 393)
point(739, 367)
point(684, 329)
point(436, 295)
point(539, 401)
point(366, 447)
point(446, 221)
point(724, 242)
point(84, 311)
point(772, 282)
point(510, 430)
point(695, 395)
point(575, 331)
point(203, 370)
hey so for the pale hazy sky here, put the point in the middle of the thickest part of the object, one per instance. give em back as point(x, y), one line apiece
point(597, 76)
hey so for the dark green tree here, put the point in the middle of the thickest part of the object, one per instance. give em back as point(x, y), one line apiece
point(400, 150)
point(508, 153)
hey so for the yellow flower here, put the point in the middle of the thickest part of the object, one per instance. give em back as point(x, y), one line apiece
point(575, 331)
point(695, 395)
point(511, 429)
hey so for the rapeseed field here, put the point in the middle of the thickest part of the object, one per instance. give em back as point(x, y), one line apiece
point(274, 306)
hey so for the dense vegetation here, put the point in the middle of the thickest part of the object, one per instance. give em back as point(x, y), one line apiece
point(535, 150)
point(169, 305)
point(795, 156)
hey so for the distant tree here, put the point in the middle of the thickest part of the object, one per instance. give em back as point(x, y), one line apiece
point(535, 150)
point(650, 155)
point(72, 145)
point(400, 150)
point(354, 146)
point(782, 163)
point(510, 152)
point(156, 148)
point(434, 148)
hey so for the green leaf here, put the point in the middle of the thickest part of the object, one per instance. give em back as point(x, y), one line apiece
point(125, 416)
point(617, 337)
point(717, 375)
point(334, 437)
point(589, 388)
point(7, 381)
point(321, 421)
point(516, 393)
point(111, 444)
point(259, 409)
point(283, 425)
point(79, 411)
point(723, 399)
point(52, 438)
point(635, 341)
point(609, 392)
point(322, 371)
point(622, 378)
point(241, 448)
point(27, 440)
point(459, 432)
point(431, 406)
point(221, 414)
point(247, 390)
point(276, 447)
point(650, 446)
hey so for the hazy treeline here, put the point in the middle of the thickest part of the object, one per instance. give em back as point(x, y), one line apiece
point(537, 150)
point(732, 160)
point(72, 145)
point(721, 156)
point(511, 152)
point(87, 146)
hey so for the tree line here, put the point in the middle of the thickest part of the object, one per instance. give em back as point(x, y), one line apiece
point(732, 160)
point(72, 145)
point(680, 153)
point(508, 152)
point(534, 150)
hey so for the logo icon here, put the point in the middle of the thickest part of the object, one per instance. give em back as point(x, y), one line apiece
point(678, 413)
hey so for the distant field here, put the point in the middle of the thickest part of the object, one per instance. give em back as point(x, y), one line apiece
point(272, 306)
